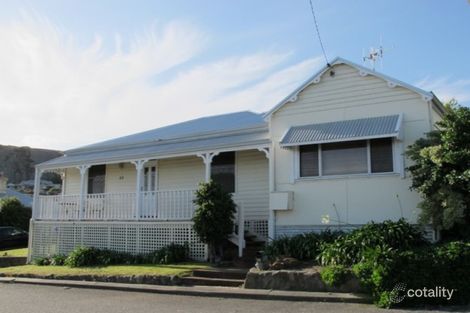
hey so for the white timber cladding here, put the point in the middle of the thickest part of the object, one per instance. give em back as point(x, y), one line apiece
point(353, 199)
point(180, 173)
point(72, 181)
point(183, 173)
point(120, 178)
point(252, 183)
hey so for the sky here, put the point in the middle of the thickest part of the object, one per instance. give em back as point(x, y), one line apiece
point(77, 72)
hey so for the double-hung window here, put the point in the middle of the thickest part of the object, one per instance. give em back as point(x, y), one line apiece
point(345, 158)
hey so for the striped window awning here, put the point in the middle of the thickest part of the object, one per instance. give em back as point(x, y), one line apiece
point(364, 128)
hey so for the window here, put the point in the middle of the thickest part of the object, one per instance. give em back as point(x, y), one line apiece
point(223, 170)
point(96, 177)
point(308, 160)
point(381, 155)
point(344, 158)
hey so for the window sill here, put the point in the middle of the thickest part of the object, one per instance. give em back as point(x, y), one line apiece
point(346, 176)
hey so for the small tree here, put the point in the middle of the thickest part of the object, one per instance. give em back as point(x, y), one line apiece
point(441, 172)
point(213, 219)
point(13, 213)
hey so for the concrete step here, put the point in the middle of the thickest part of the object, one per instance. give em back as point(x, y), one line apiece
point(207, 281)
point(224, 273)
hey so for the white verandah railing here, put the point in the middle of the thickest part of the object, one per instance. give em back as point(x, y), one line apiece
point(155, 205)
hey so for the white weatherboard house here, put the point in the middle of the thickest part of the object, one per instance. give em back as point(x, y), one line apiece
point(333, 149)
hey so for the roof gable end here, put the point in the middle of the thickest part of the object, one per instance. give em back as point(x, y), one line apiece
point(362, 71)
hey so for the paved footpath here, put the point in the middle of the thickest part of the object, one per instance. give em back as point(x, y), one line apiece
point(19, 298)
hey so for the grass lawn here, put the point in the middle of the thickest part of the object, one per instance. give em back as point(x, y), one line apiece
point(182, 269)
point(14, 252)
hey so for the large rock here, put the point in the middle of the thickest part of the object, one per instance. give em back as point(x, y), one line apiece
point(285, 263)
point(298, 280)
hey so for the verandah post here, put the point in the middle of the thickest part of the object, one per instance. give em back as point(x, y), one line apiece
point(37, 186)
point(83, 185)
point(139, 166)
point(207, 159)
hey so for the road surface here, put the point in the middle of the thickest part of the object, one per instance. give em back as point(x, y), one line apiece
point(18, 298)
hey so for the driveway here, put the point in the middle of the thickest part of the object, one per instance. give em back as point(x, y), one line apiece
point(16, 298)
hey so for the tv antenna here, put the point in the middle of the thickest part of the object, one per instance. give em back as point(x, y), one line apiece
point(374, 56)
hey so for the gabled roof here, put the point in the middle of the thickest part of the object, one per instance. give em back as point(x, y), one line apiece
point(358, 129)
point(427, 95)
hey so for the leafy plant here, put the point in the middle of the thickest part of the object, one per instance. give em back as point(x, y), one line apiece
point(441, 172)
point(172, 253)
point(349, 249)
point(335, 275)
point(302, 247)
point(58, 259)
point(89, 256)
point(428, 267)
point(42, 261)
point(213, 219)
point(84, 256)
point(13, 213)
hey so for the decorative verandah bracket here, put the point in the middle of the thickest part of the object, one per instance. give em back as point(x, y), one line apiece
point(266, 151)
point(83, 184)
point(139, 166)
point(207, 158)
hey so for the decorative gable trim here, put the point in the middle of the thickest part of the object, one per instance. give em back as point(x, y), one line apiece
point(362, 71)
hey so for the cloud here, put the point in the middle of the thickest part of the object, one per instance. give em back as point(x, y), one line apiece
point(446, 88)
point(56, 93)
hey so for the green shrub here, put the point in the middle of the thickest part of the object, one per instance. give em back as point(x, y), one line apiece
point(172, 253)
point(213, 218)
point(89, 256)
point(42, 261)
point(335, 275)
point(446, 265)
point(83, 256)
point(13, 213)
point(349, 249)
point(58, 259)
point(302, 247)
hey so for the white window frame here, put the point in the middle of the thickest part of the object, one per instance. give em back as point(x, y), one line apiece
point(149, 166)
point(397, 161)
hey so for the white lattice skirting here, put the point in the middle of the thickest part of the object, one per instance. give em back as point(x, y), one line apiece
point(49, 238)
point(258, 227)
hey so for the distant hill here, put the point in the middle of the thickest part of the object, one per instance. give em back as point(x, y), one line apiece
point(17, 163)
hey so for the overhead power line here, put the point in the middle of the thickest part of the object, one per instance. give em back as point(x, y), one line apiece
point(318, 32)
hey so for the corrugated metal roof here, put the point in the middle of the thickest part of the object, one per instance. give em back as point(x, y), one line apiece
point(162, 149)
point(204, 125)
point(239, 129)
point(382, 126)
